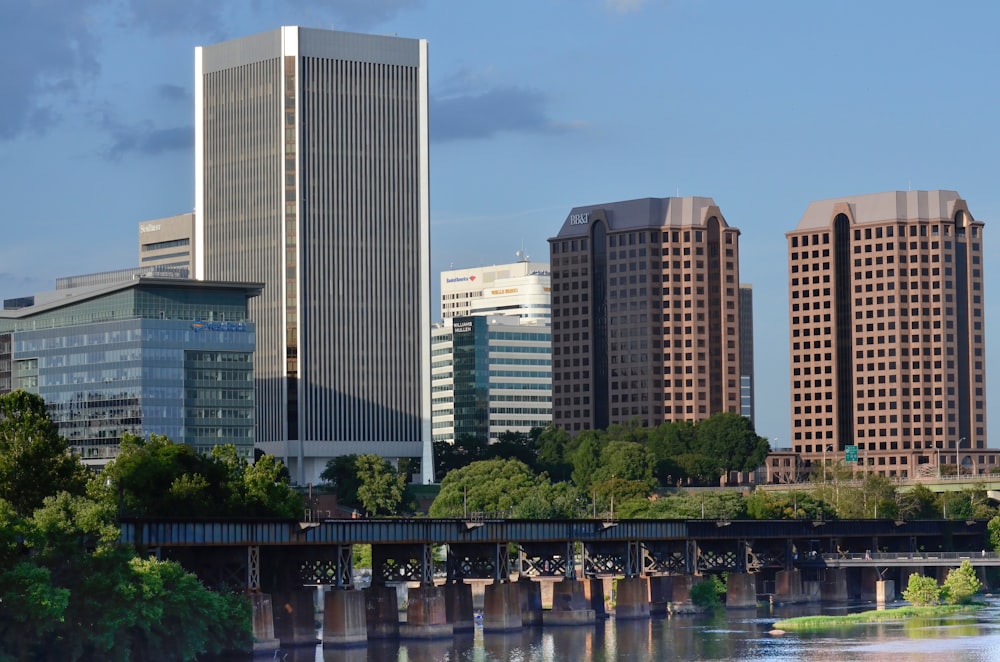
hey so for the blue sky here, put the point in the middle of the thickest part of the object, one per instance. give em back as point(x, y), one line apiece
point(537, 106)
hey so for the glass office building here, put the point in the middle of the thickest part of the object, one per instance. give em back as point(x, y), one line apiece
point(491, 374)
point(148, 356)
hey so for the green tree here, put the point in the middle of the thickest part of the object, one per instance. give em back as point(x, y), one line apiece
point(731, 439)
point(793, 504)
point(961, 584)
point(993, 531)
point(919, 502)
point(585, 456)
point(552, 443)
point(703, 504)
point(708, 593)
point(35, 461)
point(487, 486)
point(626, 460)
point(922, 591)
point(381, 489)
point(341, 474)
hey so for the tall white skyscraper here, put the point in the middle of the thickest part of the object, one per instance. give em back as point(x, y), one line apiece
point(312, 178)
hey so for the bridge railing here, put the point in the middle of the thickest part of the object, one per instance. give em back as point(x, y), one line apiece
point(915, 556)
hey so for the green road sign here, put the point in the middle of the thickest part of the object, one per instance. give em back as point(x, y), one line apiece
point(851, 454)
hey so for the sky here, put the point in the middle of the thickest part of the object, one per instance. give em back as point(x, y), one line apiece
point(536, 106)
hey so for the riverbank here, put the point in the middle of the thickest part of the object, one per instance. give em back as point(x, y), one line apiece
point(813, 623)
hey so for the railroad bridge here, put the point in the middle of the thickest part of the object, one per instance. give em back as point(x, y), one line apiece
point(656, 562)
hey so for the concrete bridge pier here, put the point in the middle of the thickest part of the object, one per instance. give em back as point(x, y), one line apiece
point(502, 607)
point(344, 618)
point(381, 612)
point(295, 616)
point(458, 606)
point(426, 614)
point(741, 591)
point(885, 592)
point(869, 579)
point(594, 590)
point(632, 598)
point(530, 601)
point(788, 586)
point(572, 603)
point(833, 585)
point(661, 591)
point(681, 590)
point(263, 623)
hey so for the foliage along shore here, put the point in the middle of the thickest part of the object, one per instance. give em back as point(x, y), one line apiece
point(812, 623)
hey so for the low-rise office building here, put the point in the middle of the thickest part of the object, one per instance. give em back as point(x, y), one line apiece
point(145, 356)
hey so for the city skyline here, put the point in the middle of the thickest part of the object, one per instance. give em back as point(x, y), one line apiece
point(764, 108)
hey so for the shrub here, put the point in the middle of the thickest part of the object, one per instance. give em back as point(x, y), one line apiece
point(922, 591)
point(961, 584)
point(705, 594)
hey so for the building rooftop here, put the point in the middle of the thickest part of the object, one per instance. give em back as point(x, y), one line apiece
point(643, 213)
point(884, 207)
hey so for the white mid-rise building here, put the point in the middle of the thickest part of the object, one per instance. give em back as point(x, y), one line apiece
point(520, 288)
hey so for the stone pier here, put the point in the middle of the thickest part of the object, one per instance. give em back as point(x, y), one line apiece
point(382, 612)
point(530, 601)
point(344, 618)
point(426, 615)
point(632, 598)
point(681, 593)
point(263, 623)
point(295, 617)
point(833, 585)
point(502, 607)
point(661, 591)
point(885, 592)
point(572, 603)
point(869, 579)
point(594, 590)
point(788, 587)
point(458, 606)
point(741, 591)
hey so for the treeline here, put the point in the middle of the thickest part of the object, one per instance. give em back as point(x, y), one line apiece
point(69, 591)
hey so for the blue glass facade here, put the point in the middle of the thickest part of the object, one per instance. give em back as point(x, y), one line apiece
point(135, 372)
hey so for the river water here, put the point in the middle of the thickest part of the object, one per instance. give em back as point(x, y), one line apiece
point(724, 635)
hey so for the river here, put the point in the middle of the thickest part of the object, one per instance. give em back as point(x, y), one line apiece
point(731, 636)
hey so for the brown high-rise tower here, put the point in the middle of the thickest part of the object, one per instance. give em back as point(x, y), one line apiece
point(887, 338)
point(645, 314)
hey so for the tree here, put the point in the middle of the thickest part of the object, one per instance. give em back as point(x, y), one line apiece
point(586, 458)
point(961, 584)
point(626, 460)
point(731, 438)
point(497, 486)
point(341, 474)
point(381, 489)
point(35, 461)
point(922, 591)
point(552, 443)
point(993, 530)
point(794, 504)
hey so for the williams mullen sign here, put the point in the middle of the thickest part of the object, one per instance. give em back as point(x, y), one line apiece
point(200, 326)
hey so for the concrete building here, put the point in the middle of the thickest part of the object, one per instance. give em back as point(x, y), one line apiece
point(311, 177)
point(887, 338)
point(645, 314)
point(521, 288)
point(747, 395)
point(143, 356)
point(168, 242)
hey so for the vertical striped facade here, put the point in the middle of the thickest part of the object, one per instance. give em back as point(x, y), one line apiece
point(645, 314)
point(312, 178)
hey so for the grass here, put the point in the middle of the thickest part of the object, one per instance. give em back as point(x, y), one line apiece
point(812, 623)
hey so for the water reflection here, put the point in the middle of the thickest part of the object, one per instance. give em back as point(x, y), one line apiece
point(731, 637)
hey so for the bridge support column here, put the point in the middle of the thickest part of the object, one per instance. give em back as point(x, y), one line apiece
point(834, 585)
point(869, 577)
point(344, 618)
point(594, 590)
point(632, 598)
point(530, 601)
point(426, 615)
point(741, 591)
point(263, 623)
point(661, 591)
point(788, 586)
point(502, 607)
point(382, 612)
point(572, 603)
point(885, 592)
point(458, 606)
point(681, 593)
point(295, 616)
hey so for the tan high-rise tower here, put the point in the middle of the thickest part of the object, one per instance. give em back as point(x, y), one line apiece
point(887, 339)
point(645, 314)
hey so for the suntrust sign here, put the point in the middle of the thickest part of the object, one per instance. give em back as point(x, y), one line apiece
point(579, 219)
